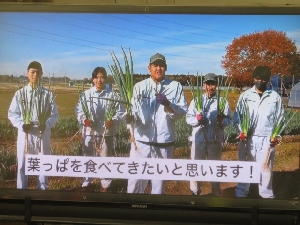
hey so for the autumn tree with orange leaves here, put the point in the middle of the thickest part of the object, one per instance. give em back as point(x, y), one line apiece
point(270, 48)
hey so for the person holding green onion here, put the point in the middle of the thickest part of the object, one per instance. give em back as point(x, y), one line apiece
point(257, 113)
point(34, 122)
point(157, 103)
point(98, 112)
point(208, 128)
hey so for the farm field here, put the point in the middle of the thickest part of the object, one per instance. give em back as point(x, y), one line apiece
point(286, 169)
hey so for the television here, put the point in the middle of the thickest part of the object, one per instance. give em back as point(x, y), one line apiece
point(70, 39)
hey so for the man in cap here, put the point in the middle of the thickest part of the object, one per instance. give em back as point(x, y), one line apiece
point(208, 130)
point(157, 103)
point(35, 131)
point(264, 107)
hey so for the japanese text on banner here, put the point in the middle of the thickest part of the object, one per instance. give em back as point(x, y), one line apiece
point(142, 168)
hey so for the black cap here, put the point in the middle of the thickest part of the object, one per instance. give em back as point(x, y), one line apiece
point(157, 57)
point(35, 65)
point(210, 77)
point(262, 73)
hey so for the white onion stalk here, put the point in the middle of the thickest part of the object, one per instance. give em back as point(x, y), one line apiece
point(85, 109)
point(245, 122)
point(222, 97)
point(197, 94)
point(110, 112)
point(27, 105)
point(280, 123)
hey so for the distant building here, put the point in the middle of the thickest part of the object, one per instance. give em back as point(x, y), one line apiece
point(294, 98)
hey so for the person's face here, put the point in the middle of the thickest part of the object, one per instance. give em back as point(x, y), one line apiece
point(34, 75)
point(157, 71)
point(260, 85)
point(99, 82)
point(210, 88)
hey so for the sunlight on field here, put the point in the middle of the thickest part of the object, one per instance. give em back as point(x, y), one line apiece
point(67, 98)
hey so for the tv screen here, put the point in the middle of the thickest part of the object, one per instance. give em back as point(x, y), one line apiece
point(166, 169)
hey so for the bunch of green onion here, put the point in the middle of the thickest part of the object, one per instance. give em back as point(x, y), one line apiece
point(197, 94)
point(27, 105)
point(85, 109)
point(44, 100)
point(280, 123)
point(110, 111)
point(111, 107)
point(222, 97)
point(244, 117)
point(84, 105)
point(124, 81)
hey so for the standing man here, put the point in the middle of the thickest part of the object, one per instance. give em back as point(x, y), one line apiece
point(98, 131)
point(264, 107)
point(34, 127)
point(157, 103)
point(208, 130)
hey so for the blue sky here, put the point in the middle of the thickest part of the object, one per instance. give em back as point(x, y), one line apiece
point(73, 44)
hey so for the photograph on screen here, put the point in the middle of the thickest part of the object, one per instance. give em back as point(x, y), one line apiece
point(165, 104)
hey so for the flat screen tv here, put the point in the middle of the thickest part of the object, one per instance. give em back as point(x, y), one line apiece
point(71, 40)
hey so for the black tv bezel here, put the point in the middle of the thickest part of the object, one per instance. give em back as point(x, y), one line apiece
point(69, 207)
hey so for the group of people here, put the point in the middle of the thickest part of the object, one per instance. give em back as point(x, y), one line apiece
point(157, 103)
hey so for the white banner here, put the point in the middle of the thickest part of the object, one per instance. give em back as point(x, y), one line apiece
point(142, 168)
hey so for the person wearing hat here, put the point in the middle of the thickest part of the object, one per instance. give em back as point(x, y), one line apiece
point(33, 135)
point(264, 106)
point(207, 136)
point(157, 103)
point(97, 131)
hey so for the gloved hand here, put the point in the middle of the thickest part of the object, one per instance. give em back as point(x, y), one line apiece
point(220, 118)
point(200, 118)
point(108, 123)
point(242, 136)
point(274, 142)
point(27, 127)
point(88, 123)
point(129, 118)
point(42, 128)
point(162, 99)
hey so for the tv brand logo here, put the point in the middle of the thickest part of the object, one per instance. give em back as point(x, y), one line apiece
point(139, 206)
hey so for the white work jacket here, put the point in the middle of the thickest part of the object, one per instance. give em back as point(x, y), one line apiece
point(263, 111)
point(152, 122)
point(209, 130)
point(15, 114)
point(97, 103)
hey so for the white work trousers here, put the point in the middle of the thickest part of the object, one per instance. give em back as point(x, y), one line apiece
point(88, 149)
point(148, 151)
point(33, 148)
point(257, 149)
point(206, 151)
